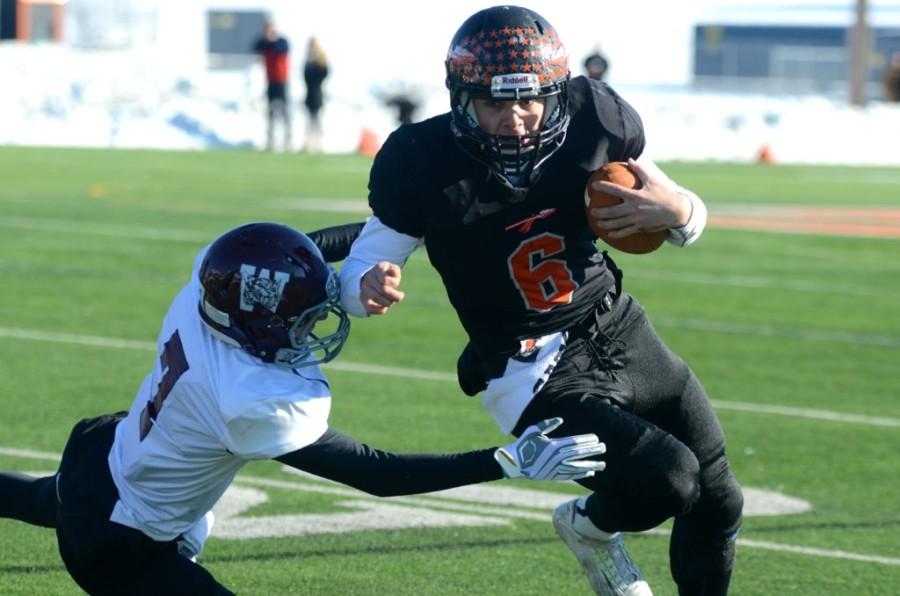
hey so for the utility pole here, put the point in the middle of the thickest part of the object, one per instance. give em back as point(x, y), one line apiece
point(860, 50)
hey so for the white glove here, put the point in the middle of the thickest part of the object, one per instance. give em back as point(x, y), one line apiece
point(538, 457)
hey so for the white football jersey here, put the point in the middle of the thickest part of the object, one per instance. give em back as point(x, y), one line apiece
point(204, 411)
point(507, 396)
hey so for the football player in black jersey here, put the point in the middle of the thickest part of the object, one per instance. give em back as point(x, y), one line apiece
point(494, 189)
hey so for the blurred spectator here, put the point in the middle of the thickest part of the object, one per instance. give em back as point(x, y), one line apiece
point(891, 79)
point(315, 70)
point(402, 97)
point(596, 65)
point(274, 50)
point(406, 107)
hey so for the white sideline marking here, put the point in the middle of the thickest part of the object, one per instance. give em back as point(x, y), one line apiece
point(388, 371)
point(360, 206)
point(70, 227)
point(805, 413)
point(750, 281)
point(801, 550)
point(29, 454)
point(406, 373)
point(858, 339)
point(818, 552)
point(81, 340)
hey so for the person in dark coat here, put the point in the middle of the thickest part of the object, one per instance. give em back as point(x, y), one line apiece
point(891, 79)
point(596, 65)
point(315, 71)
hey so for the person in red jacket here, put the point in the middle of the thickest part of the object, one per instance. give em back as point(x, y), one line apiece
point(274, 49)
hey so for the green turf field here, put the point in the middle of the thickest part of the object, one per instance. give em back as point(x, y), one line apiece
point(796, 337)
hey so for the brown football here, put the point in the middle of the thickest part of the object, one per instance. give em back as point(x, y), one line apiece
point(618, 173)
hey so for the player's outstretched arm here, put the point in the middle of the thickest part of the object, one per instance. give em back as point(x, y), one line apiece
point(370, 275)
point(335, 241)
point(534, 455)
point(538, 457)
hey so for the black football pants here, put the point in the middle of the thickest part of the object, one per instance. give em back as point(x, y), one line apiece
point(104, 557)
point(665, 448)
point(28, 499)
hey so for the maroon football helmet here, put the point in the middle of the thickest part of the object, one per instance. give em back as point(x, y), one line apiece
point(265, 286)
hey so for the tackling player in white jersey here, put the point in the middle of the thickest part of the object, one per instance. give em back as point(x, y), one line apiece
point(236, 379)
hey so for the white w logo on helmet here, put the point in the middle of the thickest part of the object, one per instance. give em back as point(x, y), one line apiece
point(261, 288)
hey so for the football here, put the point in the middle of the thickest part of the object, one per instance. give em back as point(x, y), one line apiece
point(618, 173)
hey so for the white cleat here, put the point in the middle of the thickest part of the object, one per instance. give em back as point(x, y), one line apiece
point(606, 563)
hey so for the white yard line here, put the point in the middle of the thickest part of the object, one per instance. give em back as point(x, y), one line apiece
point(98, 229)
point(80, 340)
point(805, 413)
point(818, 552)
point(857, 339)
point(29, 454)
point(358, 206)
point(374, 369)
point(752, 281)
point(803, 550)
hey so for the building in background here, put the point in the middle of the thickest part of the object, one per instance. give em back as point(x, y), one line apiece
point(791, 51)
point(230, 35)
point(32, 20)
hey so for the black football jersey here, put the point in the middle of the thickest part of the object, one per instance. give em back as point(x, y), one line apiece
point(516, 263)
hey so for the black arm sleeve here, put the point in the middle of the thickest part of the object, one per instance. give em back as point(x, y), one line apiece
point(334, 242)
point(337, 457)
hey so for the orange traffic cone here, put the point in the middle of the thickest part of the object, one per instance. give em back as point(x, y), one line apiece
point(368, 143)
point(765, 155)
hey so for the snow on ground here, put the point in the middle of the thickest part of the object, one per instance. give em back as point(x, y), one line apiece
point(63, 97)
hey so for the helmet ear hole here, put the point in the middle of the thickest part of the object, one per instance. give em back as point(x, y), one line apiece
point(468, 106)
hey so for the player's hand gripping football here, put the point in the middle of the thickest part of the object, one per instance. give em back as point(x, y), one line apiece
point(538, 457)
point(654, 206)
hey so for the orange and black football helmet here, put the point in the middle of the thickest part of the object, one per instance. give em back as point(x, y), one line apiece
point(508, 53)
